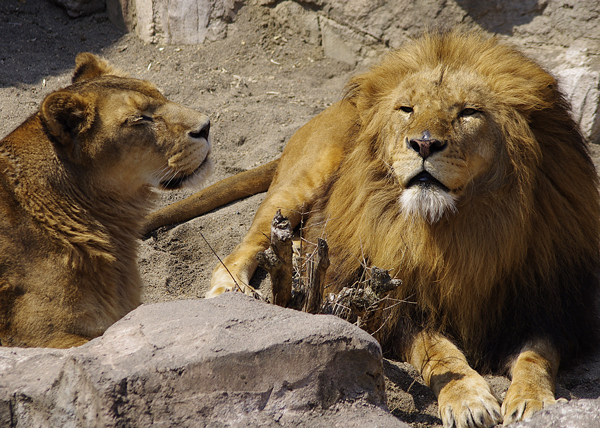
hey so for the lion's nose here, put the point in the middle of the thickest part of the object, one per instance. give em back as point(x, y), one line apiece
point(427, 146)
point(202, 131)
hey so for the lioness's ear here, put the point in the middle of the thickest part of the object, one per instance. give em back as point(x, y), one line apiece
point(66, 115)
point(89, 66)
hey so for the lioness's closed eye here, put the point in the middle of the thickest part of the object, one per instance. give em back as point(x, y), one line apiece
point(76, 182)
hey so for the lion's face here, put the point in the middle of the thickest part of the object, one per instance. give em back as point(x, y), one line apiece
point(125, 134)
point(439, 139)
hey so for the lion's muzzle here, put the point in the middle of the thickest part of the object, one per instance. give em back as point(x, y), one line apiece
point(190, 165)
point(424, 178)
point(426, 146)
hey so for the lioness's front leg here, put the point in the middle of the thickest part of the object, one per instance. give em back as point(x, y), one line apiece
point(465, 399)
point(65, 340)
point(533, 381)
point(309, 159)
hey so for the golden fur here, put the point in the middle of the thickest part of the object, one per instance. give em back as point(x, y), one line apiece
point(455, 165)
point(232, 188)
point(75, 183)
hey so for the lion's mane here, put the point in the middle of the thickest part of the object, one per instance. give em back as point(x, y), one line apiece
point(513, 264)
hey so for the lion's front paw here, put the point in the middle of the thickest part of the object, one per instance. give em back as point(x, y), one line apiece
point(222, 281)
point(523, 400)
point(469, 401)
point(246, 289)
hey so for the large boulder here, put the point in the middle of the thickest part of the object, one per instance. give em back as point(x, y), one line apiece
point(574, 414)
point(229, 361)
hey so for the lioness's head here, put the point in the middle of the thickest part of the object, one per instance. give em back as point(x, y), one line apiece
point(123, 134)
point(438, 121)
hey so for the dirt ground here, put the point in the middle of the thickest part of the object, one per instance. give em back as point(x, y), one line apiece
point(258, 85)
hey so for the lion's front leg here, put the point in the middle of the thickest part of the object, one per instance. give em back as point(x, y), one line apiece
point(236, 270)
point(533, 381)
point(465, 399)
point(308, 161)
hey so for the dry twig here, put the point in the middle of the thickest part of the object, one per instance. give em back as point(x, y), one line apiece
point(317, 269)
point(277, 259)
point(358, 304)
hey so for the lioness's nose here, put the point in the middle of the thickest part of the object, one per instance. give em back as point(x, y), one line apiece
point(201, 131)
point(426, 147)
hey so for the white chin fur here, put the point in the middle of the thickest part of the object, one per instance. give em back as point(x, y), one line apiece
point(200, 175)
point(428, 202)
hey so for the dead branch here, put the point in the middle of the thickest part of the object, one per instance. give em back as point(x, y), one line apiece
point(382, 283)
point(277, 259)
point(317, 269)
point(360, 303)
point(299, 282)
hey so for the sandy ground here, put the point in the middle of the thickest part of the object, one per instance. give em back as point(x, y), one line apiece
point(258, 85)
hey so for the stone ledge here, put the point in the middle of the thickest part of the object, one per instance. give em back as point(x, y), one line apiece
point(574, 414)
point(229, 361)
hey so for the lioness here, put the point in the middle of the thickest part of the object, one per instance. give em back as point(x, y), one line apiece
point(76, 182)
point(455, 165)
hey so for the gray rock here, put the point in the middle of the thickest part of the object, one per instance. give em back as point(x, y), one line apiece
point(229, 361)
point(338, 42)
point(76, 8)
point(174, 22)
point(579, 78)
point(574, 414)
point(298, 20)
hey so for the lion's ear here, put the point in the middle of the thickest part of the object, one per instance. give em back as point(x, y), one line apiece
point(89, 66)
point(66, 115)
point(359, 92)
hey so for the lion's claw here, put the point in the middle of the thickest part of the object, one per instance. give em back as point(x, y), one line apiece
point(469, 403)
point(518, 408)
point(477, 415)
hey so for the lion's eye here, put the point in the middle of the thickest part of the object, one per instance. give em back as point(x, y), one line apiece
point(405, 109)
point(468, 112)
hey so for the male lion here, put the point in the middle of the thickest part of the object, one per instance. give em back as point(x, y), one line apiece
point(455, 165)
point(76, 183)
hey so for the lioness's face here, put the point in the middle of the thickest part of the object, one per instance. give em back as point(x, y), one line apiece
point(440, 140)
point(167, 145)
point(123, 134)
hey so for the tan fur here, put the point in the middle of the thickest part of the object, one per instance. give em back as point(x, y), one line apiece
point(302, 170)
point(497, 246)
point(465, 399)
point(533, 374)
point(76, 179)
point(232, 188)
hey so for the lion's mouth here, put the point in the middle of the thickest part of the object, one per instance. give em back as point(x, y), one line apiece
point(425, 179)
point(178, 182)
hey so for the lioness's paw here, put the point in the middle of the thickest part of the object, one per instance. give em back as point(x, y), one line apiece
point(521, 402)
point(217, 291)
point(469, 402)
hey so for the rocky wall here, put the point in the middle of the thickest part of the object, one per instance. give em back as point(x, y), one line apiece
point(564, 36)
